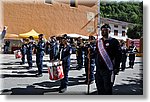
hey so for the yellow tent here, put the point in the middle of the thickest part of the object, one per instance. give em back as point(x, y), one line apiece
point(11, 36)
point(30, 33)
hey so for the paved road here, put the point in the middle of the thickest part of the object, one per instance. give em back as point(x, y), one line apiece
point(18, 80)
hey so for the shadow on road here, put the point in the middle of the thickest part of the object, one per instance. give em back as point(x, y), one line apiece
point(21, 71)
point(40, 88)
point(135, 87)
point(29, 90)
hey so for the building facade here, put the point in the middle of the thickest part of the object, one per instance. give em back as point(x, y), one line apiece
point(51, 17)
point(118, 28)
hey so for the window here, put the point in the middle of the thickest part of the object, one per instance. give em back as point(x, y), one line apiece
point(116, 32)
point(48, 1)
point(116, 26)
point(73, 3)
point(123, 27)
point(90, 16)
point(123, 33)
point(90, 29)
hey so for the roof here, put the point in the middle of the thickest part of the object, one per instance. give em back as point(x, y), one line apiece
point(108, 20)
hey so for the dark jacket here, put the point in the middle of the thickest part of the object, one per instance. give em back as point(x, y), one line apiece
point(113, 49)
point(65, 55)
point(40, 47)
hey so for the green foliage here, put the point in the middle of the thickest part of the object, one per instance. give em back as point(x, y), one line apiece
point(135, 32)
point(131, 12)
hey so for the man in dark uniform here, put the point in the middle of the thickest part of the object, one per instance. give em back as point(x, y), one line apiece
point(79, 53)
point(23, 50)
point(47, 47)
point(124, 51)
point(132, 50)
point(40, 48)
point(29, 51)
point(108, 57)
point(89, 49)
point(66, 51)
point(53, 48)
point(6, 47)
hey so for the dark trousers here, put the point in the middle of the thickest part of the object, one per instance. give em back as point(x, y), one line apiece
point(23, 58)
point(52, 54)
point(64, 81)
point(80, 59)
point(123, 62)
point(39, 63)
point(92, 66)
point(29, 59)
point(131, 60)
point(6, 49)
point(103, 83)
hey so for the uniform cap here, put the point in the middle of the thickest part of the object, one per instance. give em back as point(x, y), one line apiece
point(31, 37)
point(91, 37)
point(65, 36)
point(105, 26)
point(41, 35)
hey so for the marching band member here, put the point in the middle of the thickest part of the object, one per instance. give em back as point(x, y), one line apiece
point(108, 57)
point(132, 50)
point(79, 53)
point(29, 51)
point(90, 50)
point(66, 52)
point(40, 48)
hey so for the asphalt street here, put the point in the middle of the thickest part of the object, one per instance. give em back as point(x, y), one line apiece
point(17, 80)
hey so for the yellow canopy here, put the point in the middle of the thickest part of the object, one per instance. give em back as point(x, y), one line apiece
point(11, 36)
point(30, 33)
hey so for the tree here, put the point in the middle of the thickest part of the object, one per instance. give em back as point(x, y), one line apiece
point(125, 11)
point(135, 32)
point(131, 12)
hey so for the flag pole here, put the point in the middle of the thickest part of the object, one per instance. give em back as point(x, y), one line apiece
point(99, 22)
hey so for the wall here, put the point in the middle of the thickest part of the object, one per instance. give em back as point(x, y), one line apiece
point(1, 16)
point(55, 19)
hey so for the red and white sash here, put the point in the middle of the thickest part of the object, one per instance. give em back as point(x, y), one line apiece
point(104, 55)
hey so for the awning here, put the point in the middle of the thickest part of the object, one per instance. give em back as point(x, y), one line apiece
point(30, 33)
point(77, 35)
point(11, 36)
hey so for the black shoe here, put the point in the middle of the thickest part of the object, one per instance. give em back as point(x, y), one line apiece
point(79, 68)
point(91, 82)
point(29, 68)
point(85, 82)
point(122, 70)
point(62, 90)
point(59, 88)
point(39, 75)
point(22, 63)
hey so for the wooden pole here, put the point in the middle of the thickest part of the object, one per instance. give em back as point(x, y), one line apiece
point(88, 71)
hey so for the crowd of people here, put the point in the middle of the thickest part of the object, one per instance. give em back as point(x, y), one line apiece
point(105, 54)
